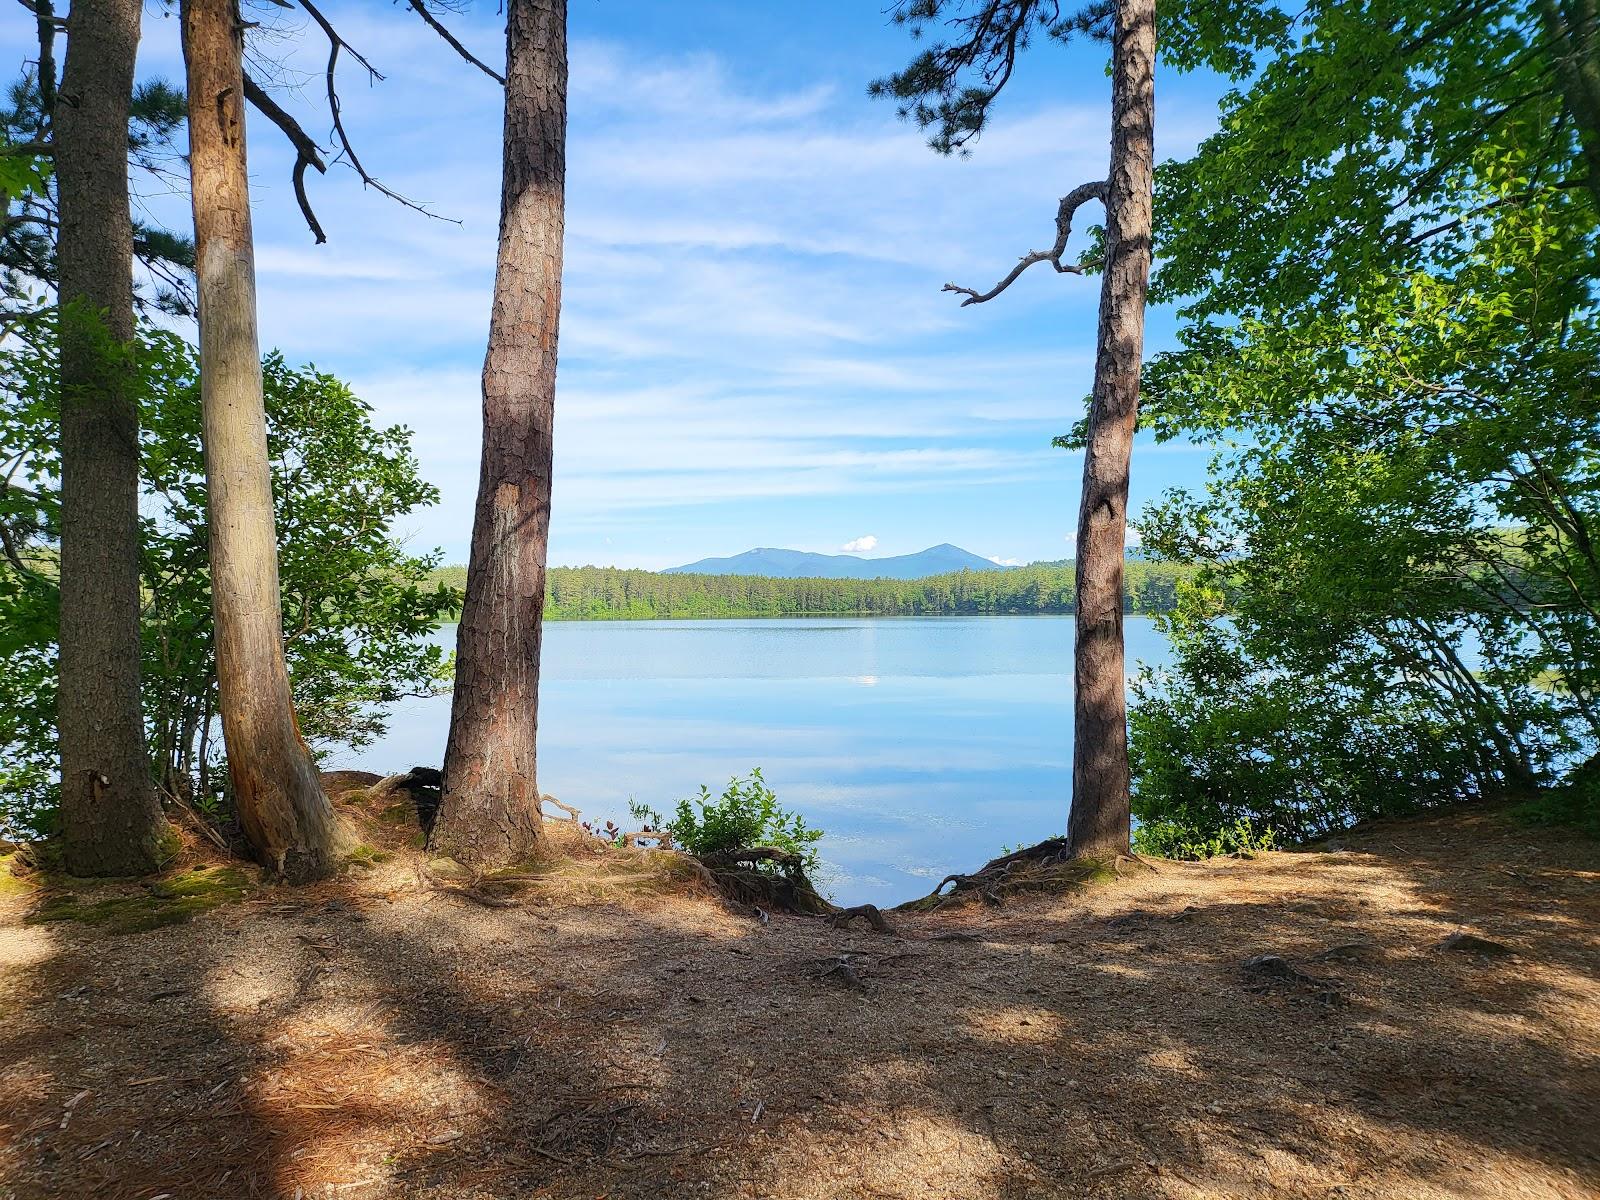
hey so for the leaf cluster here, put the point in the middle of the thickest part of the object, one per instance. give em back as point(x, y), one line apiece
point(746, 815)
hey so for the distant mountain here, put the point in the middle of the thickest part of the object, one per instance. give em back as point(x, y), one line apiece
point(798, 564)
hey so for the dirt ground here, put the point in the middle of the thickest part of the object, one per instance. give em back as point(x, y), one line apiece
point(379, 1038)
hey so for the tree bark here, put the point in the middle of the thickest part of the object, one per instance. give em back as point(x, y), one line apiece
point(110, 816)
point(489, 813)
point(1099, 820)
point(288, 820)
point(1572, 30)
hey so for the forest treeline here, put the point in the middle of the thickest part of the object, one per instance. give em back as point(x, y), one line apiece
point(615, 594)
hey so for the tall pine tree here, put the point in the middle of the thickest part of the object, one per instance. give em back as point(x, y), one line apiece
point(490, 810)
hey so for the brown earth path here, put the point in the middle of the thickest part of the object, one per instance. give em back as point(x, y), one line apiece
point(379, 1038)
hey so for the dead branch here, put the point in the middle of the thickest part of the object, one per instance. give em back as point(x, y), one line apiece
point(749, 856)
point(573, 814)
point(421, 9)
point(1070, 203)
point(336, 43)
point(308, 153)
point(198, 822)
point(661, 837)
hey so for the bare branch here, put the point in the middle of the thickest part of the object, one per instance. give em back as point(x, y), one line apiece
point(45, 12)
point(337, 43)
point(309, 154)
point(421, 9)
point(1070, 203)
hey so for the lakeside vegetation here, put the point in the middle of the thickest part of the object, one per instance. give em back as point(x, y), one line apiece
point(614, 594)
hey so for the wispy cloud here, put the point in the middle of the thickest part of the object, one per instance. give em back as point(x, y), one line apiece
point(752, 315)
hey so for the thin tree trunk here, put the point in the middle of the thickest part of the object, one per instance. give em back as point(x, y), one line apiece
point(111, 820)
point(288, 820)
point(490, 813)
point(1099, 821)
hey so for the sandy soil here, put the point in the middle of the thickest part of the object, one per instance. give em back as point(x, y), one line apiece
point(378, 1038)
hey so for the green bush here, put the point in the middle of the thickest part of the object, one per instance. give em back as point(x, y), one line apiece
point(1573, 804)
point(1167, 839)
point(1226, 751)
point(358, 611)
point(746, 815)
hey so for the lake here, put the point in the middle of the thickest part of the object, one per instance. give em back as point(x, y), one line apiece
point(922, 745)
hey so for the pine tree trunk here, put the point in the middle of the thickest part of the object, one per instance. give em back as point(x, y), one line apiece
point(489, 814)
point(1099, 821)
point(111, 819)
point(288, 820)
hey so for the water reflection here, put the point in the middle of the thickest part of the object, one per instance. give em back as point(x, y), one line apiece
point(922, 745)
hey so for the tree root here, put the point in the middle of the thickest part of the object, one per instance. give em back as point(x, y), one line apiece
point(867, 912)
point(491, 893)
point(1049, 866)
point(845, 974)
point(736, 876)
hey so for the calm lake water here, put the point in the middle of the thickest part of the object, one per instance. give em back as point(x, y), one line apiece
point(922, 745)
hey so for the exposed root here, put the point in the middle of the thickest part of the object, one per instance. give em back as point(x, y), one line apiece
point(736, 875)
point(1049, 866)
point(1267, 971)
point(422, 786)
point(867, 912)
point(845, 974)
point(489, 893)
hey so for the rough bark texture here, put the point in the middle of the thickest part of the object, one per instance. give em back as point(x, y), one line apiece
point(281, 805)
point(1572, 31)
point(1098, 824)
point(111, 819)
point(489, 814)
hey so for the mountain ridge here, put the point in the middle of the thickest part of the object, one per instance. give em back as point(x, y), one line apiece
point(776, 563)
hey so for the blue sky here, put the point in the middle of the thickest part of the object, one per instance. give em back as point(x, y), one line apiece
point(754, 346)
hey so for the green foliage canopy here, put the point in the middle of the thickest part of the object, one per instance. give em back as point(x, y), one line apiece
point(1386, 257)
point(359, 609)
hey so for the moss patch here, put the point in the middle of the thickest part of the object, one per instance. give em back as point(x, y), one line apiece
point(170, 901)
point(11, 884)
point(368, 856)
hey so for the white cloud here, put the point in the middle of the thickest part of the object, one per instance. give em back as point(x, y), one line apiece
point(860, 545)
point(751, 307)
point(1005, 562)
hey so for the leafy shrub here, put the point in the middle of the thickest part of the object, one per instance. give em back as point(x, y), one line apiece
point(746, 815)
point(1226, 751)
point(1168, 839)
point(1574, 804)
point(359, 612)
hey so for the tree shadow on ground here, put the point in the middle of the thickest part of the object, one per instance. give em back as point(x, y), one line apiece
point(385, 1040)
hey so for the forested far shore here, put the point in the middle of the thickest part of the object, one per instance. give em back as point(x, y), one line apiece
point(615, 594)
